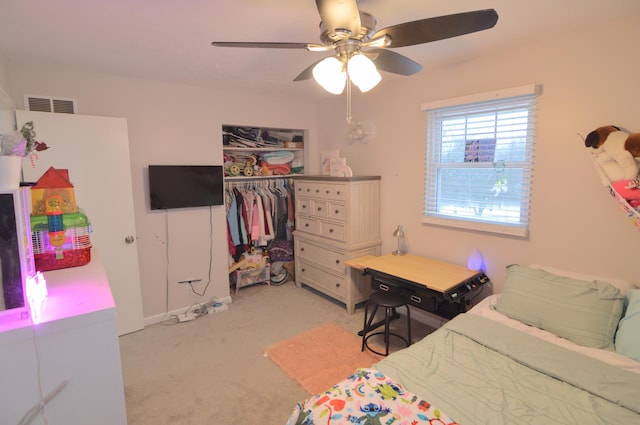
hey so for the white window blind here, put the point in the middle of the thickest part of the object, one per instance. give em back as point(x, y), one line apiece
point(479, 161)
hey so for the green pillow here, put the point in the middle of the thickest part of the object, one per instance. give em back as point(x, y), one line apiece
point(628, 335)
point(585, 312)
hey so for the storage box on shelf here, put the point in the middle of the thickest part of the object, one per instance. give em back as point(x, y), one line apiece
point(337, 218)
point(251, 152)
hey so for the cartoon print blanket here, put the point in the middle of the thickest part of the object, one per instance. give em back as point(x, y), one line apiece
point(367, 397)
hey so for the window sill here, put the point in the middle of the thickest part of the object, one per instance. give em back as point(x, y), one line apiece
point(466, 224)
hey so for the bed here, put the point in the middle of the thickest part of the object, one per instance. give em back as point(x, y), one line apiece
point(553, 348)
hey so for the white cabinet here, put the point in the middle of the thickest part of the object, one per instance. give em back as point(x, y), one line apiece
point(76, 343)
point(337, 218)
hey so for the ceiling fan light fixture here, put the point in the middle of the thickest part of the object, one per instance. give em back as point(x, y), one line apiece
point(330, 75)
point(363, 72)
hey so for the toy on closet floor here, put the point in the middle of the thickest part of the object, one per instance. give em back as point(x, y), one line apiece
point(617, 152)
point(252, 268)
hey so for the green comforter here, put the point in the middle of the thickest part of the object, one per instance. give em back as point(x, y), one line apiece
point(481, 372)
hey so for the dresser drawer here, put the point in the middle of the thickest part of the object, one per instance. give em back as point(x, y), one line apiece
point(324, 281)
point(329, 191)
point(331, 230)
point(322, 256)
point(319, 208)
point(309, 225)
point(337, 211)
point(303, 206)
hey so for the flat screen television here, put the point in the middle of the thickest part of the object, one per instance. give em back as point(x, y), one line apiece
point(185, 186)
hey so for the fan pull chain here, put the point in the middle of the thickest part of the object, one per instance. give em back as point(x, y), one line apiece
point(348, 100)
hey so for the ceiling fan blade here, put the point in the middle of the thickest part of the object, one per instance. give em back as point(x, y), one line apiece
point(267, 45)
point(386, 60)
point(439, 28)
point(340, 15)
point(308, 72)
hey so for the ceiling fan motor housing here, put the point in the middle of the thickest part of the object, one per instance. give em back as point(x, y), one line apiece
point(367, 28)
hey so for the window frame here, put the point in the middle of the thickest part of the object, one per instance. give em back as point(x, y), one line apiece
point(431, 195)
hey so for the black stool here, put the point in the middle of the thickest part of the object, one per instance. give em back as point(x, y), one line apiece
point(389, 302)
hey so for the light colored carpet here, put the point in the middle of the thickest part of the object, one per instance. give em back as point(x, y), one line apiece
point(212, 371)
point(319, 358)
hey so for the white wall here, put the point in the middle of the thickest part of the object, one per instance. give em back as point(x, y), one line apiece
point(590, 79)
point(4, 78)
point(168, 124)
point(7, 120)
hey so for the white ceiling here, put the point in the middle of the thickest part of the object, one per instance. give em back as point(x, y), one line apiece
point(170, 39)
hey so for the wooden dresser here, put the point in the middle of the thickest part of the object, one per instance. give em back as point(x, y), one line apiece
point(337, 218)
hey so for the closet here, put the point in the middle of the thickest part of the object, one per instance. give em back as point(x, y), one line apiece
point(259, 163)
point(260, 223)
point(258, 213)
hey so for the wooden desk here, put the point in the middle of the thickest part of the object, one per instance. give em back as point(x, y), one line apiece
point(436, 286)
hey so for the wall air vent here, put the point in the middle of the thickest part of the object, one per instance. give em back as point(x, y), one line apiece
point(49, 104)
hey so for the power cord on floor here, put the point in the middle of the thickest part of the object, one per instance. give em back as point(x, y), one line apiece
point(197, 309)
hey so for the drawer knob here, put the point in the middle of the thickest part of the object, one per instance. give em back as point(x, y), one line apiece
point(319, 208)
point(327, 191)
point(338, 193)
point(304, 206)
point(337, 211)
point(308, 190)
point(301, 249)
point(303, 270)
point(317, 190)
point(306, 224)
point(330, 230)
point(337, 285)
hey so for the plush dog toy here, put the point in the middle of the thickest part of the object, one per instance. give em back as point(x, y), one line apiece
point(618, 151)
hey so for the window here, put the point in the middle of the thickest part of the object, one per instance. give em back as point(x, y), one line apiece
point(479, 161)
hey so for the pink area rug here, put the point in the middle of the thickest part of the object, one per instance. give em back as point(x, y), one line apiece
point(321, 357)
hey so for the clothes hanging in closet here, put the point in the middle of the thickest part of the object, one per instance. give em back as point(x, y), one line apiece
point(258, 212)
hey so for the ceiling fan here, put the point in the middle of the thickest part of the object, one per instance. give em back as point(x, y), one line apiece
point(361, 50)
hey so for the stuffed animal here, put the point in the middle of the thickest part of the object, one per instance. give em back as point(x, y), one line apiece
point(617, 151)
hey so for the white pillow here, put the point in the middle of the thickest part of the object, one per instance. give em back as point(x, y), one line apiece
point(621, 284)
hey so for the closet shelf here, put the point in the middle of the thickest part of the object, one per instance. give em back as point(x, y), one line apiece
point(259, 152)
point(235, 148)
point(245, 178)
